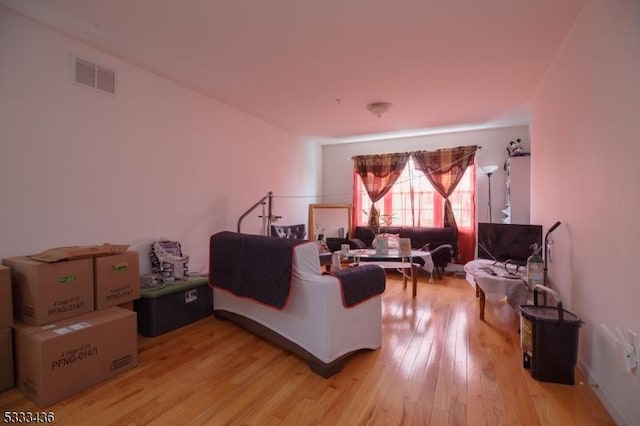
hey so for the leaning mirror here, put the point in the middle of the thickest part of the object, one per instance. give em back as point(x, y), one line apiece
point(329, 220)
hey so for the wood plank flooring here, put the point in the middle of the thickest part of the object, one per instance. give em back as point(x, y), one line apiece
point(438, 365)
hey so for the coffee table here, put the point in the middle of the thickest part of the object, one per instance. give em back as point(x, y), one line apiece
point(493, 280)
point(402, 262)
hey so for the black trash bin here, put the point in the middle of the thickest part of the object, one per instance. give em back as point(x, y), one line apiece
point(549, 340)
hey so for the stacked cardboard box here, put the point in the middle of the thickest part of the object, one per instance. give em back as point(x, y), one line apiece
point(61, 344)
point(46, 292)
point(116, 279)
point(57, 360)
point(6, 307)
point(6, 340)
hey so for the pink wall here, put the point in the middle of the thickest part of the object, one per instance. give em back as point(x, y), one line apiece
point(157, 160)
point(585, 132)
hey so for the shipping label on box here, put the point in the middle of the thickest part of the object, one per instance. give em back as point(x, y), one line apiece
point(6, 359)
point(116, 279)
point(6, 299)
point(58, 360)
point(47, 292)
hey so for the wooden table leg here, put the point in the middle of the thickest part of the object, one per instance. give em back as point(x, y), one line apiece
point(414, 279)
point(481, 301)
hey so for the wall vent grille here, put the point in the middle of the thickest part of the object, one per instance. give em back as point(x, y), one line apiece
point(95, 76)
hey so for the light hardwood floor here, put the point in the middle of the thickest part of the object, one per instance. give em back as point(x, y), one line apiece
point(438, 365)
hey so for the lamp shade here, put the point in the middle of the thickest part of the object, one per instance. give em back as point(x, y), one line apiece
point(487, 170)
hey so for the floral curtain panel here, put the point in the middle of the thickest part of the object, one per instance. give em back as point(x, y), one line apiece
point(378, 174)
point(444, 169)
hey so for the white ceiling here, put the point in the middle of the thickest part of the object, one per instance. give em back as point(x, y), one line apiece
point(312, 66)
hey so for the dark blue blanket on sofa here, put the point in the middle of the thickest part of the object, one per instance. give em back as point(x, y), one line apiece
point(252, 266)
point(360, 283)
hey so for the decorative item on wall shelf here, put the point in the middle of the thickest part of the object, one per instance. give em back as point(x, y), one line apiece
point(515, 148)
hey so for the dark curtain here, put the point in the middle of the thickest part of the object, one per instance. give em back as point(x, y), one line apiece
point(444, 169)
point(378, 174)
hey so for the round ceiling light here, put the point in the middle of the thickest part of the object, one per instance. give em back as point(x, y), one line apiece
point(379, 108)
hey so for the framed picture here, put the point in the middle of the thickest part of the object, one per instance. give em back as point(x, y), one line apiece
point(382, 245)
point(404, 246)
point(330, 220)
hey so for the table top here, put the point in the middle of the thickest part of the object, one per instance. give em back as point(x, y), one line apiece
point(496, 281)
point(392, 254)
point(371, 254)
point(497, 271)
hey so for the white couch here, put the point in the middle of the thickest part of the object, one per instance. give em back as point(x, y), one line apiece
point(314, 323)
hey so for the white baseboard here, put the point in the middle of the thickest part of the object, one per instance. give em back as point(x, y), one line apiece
point(604, 397)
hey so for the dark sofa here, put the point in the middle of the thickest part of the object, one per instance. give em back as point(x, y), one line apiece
point(441, 242)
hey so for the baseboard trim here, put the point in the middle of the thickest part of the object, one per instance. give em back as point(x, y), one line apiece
point(604, 397)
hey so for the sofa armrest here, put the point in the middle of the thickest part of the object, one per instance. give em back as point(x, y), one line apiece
point(360, 283)
point(335, 244)
point(357, 243)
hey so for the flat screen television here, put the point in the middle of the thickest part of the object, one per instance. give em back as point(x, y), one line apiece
point(508, 242)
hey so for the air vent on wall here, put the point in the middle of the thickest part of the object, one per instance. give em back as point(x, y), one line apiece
point(91, 75)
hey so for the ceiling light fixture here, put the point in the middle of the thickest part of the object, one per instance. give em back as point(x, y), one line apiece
point(379, 108)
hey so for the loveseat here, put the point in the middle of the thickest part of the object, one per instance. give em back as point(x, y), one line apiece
point(441, 242)
point(274, 287)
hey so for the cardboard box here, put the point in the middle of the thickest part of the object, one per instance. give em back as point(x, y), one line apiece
point(116, 279)
point(6, 359)
point(47, 292)
point(6, 300)
point(58, 360)
point(127, 305)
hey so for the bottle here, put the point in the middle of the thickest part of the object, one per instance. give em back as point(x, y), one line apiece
point(535, 268)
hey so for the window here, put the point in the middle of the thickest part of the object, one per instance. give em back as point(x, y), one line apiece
point(414, 202)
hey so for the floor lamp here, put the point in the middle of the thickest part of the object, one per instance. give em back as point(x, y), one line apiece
point(489, 170)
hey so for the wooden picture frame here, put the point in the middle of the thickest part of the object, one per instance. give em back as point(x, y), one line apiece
point(330, 220)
